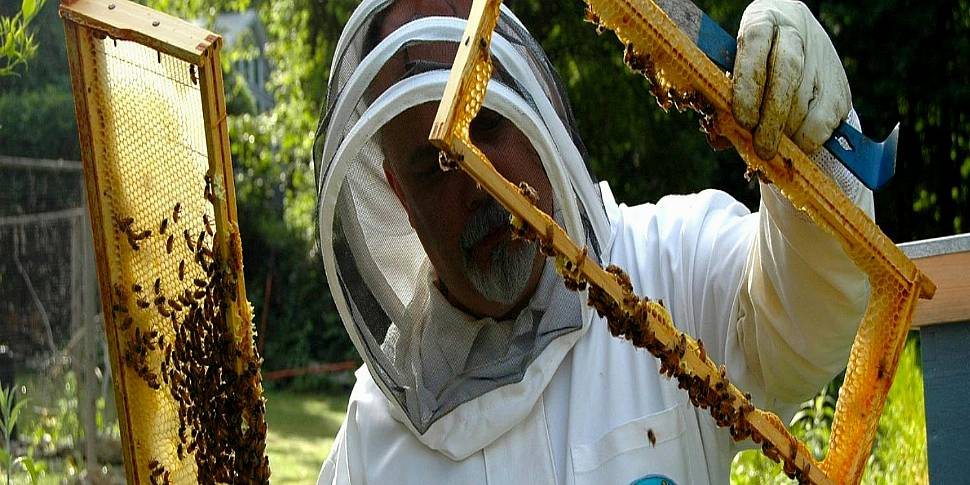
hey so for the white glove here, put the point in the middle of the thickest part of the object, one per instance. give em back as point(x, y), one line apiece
point(787, 77)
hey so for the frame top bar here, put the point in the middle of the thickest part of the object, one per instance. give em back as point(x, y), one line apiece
point(124, 20)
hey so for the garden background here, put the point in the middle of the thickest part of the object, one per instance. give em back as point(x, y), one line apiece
point(906, 62)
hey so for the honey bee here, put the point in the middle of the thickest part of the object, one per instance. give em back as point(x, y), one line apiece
point(200, 282)
point(181, 270)
point(169, 243)
point(193, 75)
point(188, 240)
point(208, 226)
point(176, 212)
point(158, 285)
point(126, 324)
point(133, 242)
point(142, 303)
point(652, 437)
point(163, 226)
point(208, 187)
point(125, 223)
point(136, 288)
point(159, 300)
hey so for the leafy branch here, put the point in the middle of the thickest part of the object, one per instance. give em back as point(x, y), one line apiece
point(16, 44)
point(9, 412)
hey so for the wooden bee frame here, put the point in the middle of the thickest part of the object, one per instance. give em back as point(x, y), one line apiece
point(151, 116)
point(681, 73)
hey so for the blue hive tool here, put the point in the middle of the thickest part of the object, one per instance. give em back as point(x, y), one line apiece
point(871, 162)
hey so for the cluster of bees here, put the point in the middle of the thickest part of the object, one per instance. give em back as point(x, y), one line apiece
point(158, 474)
point(668, 97)
point(215, 386)
point(630, 319)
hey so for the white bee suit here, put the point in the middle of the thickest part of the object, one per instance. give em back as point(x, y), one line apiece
point(771, 295)
point(768, 293)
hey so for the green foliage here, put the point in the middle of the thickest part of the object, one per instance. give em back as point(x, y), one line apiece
point(49, 63)
point(10, 407)
point(39, 123)
point(50, 433)
point(905, 62)
point(9, 412)
point(642, 151)
point(34, 469)
point(17, 45)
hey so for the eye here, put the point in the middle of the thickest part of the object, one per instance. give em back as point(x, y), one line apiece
point(488, 123)
point(424, 162)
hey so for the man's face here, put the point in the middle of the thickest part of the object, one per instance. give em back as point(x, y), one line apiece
point(464, 231)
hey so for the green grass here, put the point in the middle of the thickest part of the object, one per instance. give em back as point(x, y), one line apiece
point(300, 431)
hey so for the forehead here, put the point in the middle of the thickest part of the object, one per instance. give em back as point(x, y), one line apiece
point(403, 11)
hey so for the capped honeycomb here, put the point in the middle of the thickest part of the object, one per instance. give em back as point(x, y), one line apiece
point(682, 77)
point(151, 117)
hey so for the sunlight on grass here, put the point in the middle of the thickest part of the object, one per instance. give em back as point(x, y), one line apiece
point(300, 431)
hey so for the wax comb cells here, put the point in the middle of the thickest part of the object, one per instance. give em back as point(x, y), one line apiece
point(151, 117)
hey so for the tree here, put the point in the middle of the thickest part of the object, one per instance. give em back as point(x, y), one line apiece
point(17, 44)
point(906, 63)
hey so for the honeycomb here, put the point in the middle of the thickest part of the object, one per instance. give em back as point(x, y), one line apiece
point(160, 192)
point(683, 78)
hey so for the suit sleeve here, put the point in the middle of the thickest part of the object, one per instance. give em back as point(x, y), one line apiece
point(799, 304)
point(335, 470)
point(800, 301)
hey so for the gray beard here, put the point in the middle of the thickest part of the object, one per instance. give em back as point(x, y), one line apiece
point(510, 267)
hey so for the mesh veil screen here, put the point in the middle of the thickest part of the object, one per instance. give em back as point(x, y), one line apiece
point(387, 280)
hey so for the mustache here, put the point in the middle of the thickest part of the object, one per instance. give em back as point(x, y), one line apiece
point(483, 222)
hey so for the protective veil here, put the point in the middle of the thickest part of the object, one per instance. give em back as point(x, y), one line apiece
point(427, 357)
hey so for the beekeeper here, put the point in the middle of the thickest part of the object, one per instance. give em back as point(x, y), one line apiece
point(480, 367)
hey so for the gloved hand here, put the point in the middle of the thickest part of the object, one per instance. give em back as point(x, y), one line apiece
point(787, 77)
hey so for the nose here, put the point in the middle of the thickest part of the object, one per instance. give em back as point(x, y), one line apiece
point(467, 192)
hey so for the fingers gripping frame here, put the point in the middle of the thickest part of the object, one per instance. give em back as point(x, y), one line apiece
point(682, 76)
point(152, 123)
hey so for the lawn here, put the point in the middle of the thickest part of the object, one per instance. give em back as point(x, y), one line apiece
point(301, 428)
